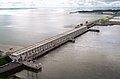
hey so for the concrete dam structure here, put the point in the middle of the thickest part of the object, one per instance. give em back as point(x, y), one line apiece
point(44, 46)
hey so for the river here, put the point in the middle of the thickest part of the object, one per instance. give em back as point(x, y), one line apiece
point(20, 28)
point(92, 56)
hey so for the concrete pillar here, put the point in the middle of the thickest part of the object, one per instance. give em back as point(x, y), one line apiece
point(50, 44)
point(39, 48)
point(43, 47)
point(47, 46)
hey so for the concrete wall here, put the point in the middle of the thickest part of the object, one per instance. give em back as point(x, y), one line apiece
point(49, 45)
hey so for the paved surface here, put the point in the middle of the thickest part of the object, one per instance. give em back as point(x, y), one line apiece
point(10, 66)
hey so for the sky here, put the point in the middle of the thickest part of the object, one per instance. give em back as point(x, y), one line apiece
point(59, 3)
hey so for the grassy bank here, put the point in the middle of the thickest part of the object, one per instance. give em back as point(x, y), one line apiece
point(103, 20)
point(4, 60)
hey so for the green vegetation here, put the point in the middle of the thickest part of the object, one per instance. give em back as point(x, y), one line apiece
point(103, 19)
point(4, 77)
point(4, 60)
point(10, 77)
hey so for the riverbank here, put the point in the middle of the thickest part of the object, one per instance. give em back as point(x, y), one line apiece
point(107, 21)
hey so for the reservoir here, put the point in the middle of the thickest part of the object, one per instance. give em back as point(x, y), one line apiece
point(92, 56)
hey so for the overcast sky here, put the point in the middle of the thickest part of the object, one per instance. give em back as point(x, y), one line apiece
point(60, 3)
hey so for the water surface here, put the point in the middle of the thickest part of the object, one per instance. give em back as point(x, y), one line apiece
point(92, 56)
point(20, 28)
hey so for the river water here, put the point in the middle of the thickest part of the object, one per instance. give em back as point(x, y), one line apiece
point(92, 56)
point(20, 28)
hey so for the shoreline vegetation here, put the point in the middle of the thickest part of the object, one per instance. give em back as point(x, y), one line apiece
point(4, 60)
point(108, 11)
point(105, 21)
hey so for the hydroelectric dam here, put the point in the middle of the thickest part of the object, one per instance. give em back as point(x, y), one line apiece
point(40, 48)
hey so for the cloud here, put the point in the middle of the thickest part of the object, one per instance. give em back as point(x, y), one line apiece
point(109, 0)
point(59, 3)
point(99, 3)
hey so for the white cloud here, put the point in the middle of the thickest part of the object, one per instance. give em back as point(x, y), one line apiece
point(58, 3)
point(117, 3)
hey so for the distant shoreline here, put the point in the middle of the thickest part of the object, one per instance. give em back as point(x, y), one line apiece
point(15, 8)
point(107, 11)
